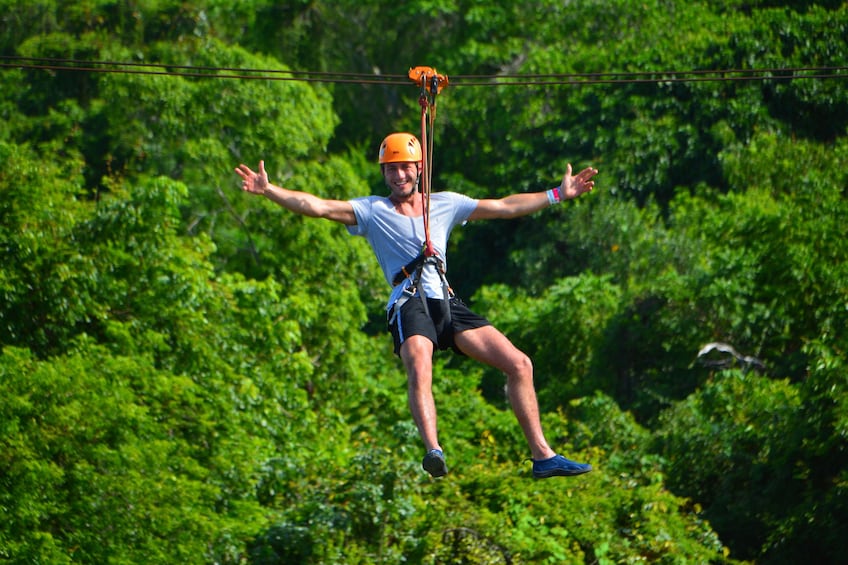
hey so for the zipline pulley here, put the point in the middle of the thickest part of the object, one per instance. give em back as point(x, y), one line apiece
point(428, 78)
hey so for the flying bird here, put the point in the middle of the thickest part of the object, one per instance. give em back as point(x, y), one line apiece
point(731, 356)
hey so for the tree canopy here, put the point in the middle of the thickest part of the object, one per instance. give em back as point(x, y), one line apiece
point(190, 374)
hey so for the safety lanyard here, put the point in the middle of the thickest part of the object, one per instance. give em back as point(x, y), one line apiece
point(431, 84)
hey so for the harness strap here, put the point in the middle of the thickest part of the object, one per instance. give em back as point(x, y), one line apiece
point(426, 174)
point(417, 266)
point(408, 270)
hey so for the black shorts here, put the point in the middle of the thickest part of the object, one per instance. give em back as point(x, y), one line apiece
point(413, 320)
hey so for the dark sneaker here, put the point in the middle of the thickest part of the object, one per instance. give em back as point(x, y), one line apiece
point(434, 463)
point(558, 466)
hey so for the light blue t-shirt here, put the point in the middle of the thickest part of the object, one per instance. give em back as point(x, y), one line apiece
point(397, 239)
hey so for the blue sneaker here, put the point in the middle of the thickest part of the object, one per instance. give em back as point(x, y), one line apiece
point(558, 466)
point(434, 463)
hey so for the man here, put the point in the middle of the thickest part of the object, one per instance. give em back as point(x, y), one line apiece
point(423, 314)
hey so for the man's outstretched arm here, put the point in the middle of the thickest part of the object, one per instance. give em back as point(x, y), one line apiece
point(298, 202)
point(517, 205)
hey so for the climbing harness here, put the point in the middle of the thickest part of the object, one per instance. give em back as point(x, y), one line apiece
point(430, 83)
point(414, 269)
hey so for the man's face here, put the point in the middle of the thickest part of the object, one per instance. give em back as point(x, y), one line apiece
point(401, 178)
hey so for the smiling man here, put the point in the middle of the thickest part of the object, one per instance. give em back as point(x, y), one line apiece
point(410, 242)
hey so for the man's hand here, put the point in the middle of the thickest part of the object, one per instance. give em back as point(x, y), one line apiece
point(574, 186)
point(256, 183)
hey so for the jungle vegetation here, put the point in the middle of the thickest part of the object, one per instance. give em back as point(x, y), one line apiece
point(189, 374)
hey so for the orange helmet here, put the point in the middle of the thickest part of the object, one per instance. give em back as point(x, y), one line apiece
point(400, 148)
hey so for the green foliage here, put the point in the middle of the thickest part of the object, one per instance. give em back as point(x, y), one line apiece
point(220, 383)
point(496, 515)
point(42, 268)
point(95, 472)
point(728, 439)
point(191, 374)
point(560, 330)
point(364, 512)
point(818, 443)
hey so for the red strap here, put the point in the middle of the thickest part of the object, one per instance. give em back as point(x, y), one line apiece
point(427, 77)
point(425, 178)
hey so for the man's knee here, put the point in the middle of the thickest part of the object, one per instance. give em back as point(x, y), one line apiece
point(522, 366)
point(417, 353)
point(416, 346)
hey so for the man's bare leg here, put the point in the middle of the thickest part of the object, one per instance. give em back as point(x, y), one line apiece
point(488, 345)
point(417, 355)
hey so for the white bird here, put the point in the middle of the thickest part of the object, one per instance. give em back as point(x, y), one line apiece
point(746, 360)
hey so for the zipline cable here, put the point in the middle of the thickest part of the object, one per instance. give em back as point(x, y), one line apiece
point(274, 74)
point(66, 61)
point(539, 79)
